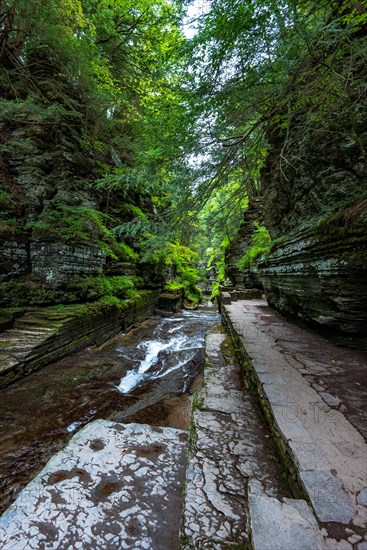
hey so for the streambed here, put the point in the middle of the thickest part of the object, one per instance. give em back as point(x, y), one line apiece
point(141, 376)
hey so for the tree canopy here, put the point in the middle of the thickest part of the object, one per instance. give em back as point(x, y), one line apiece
point(173, 132)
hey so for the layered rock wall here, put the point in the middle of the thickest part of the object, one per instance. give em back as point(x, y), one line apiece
point(314, 186)
point(320, 278)
point(55, 224)
point(317, 269)
point(42, 336)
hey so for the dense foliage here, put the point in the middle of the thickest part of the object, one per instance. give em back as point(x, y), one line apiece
point(117, 130)
point(271, 77)
point(93, 123)
point(260, 247)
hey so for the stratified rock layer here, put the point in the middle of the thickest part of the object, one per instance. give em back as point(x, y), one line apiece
point(320, 275)
point(45, 335)
point(56, 262)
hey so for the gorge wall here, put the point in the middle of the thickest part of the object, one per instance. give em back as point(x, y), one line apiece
point(315, 207)
point(314, 187)
point(67, 280)
point(54, 224)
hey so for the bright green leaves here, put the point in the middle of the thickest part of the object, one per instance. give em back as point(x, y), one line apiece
point(260, 248)
point(68, 13)
point(263, 68)
point(186, 263)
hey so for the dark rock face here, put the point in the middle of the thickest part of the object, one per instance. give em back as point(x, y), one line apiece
point(56, 262)
point(14, 258)
point(47, 266)
point(320, 278)
point(53, 222)
point(316, 206)
point(34, 244)
point(314, 187)
point(246, 278)
point(326, 170)
point(170, 302)
point(319, 274)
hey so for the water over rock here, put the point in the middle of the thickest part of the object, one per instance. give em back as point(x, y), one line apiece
point(44, 335)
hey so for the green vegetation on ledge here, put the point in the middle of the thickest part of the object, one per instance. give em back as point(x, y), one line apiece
point(185, 262)
point(259, 250)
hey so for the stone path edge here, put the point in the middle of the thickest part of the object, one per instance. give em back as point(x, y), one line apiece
point(252, 380)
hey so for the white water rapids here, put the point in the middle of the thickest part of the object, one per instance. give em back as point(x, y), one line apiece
point(171, 346)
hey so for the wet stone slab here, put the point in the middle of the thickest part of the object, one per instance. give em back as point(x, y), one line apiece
point(282, 525)
point(214, 511)
point(83, 387)
point(328, 452)
point(229, 447)
point(113, 486)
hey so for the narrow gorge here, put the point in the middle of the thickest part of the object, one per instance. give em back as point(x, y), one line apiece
point(183, 266)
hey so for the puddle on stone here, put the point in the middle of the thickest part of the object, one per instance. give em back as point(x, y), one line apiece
point(174, 412)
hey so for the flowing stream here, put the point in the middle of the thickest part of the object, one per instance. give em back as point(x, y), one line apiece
point(170, 348)
point(140, 376)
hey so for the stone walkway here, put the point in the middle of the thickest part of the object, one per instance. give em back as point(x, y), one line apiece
point(121, 486)
point(234, 495)
point(215, 502)
point(326, 451)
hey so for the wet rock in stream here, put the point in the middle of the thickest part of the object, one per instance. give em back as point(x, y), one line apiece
point(39, 413)
point(173, 381)
point(125, 493)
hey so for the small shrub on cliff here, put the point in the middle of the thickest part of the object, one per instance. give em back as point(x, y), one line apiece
point(80, 224)
point(261, 243)
point(173, 285)
point(188, 275)
point(96, 287)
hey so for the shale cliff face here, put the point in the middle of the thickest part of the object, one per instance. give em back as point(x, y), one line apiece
point(314, 188)
point(316, 211)
point(319, 274)
point(45, 193)
point(54, 224)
